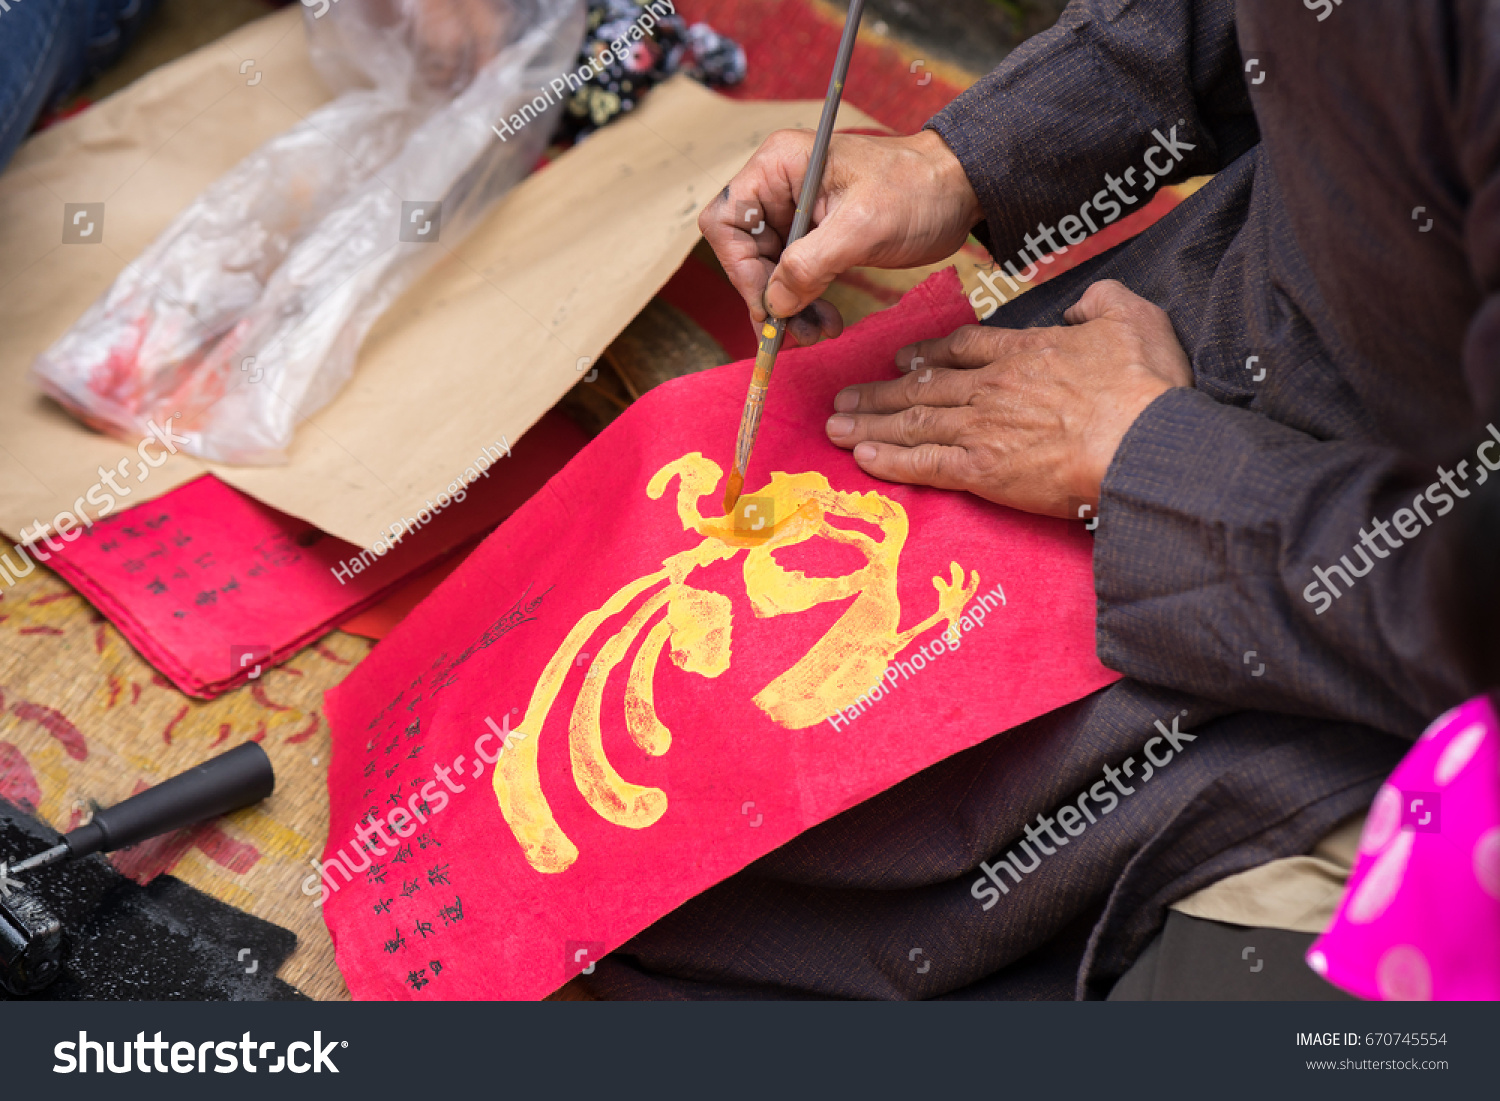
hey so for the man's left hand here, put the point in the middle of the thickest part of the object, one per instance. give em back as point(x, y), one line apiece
point(1029, 418)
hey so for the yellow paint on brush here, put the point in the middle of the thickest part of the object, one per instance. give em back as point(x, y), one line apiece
point(732, 491)
point(844, 663)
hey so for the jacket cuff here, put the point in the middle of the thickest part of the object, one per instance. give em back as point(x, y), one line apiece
point(1176, 487)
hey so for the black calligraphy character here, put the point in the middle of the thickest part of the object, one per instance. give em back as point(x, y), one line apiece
point(402, 855)
point(157, 586)
point(438, 874)
point(278, 550)
point(396, 943)
point(409, 888)
point(453, 913)
point(425, 928)
point(208, 596)
point(369, 767)
point(181, 539)
point(416, 979)
point(377, 874)
point(383, 905)
point(427, 841)
point(201, 564)
point(437, 967)
point(133, 565)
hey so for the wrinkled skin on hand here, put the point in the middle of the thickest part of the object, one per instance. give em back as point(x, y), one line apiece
point(1029, 418)
point(883, 202)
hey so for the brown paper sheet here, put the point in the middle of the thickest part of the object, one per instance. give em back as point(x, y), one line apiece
point(476, 352)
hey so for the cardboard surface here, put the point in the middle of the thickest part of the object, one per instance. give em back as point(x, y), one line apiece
point(481, 347)
point(622, 697)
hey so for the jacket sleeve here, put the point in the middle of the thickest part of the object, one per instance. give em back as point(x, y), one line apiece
point(1223, 532)
point(1223, 537)
point(1089, 97)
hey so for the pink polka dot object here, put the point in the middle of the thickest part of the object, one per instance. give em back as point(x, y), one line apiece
point(1420, 919)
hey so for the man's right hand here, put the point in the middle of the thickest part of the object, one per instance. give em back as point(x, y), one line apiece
point(884, 202)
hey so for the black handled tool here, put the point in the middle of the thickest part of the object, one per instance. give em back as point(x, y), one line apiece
point(31, 938)
point(224, 783)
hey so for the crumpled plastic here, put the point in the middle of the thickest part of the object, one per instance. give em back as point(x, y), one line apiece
point(245, 316)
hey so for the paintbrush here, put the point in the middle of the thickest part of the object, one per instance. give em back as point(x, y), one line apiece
point(774, 328)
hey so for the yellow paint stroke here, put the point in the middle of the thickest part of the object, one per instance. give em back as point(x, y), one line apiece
point(850, 657)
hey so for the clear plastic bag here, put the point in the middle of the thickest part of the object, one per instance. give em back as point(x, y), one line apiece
point(245, 316)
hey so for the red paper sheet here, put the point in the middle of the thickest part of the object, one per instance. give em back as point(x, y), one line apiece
point(212, 587)
point(666, 698)
point(380, 619)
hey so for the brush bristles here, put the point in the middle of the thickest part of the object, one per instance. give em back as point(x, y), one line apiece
point(732, 491)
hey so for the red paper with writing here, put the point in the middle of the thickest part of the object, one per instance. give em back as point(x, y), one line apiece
point(211, 586)
point(654, 682)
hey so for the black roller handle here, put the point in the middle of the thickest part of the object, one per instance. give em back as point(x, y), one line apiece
point(225, 783)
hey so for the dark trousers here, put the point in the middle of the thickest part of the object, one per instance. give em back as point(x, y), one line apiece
point(48, 48)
